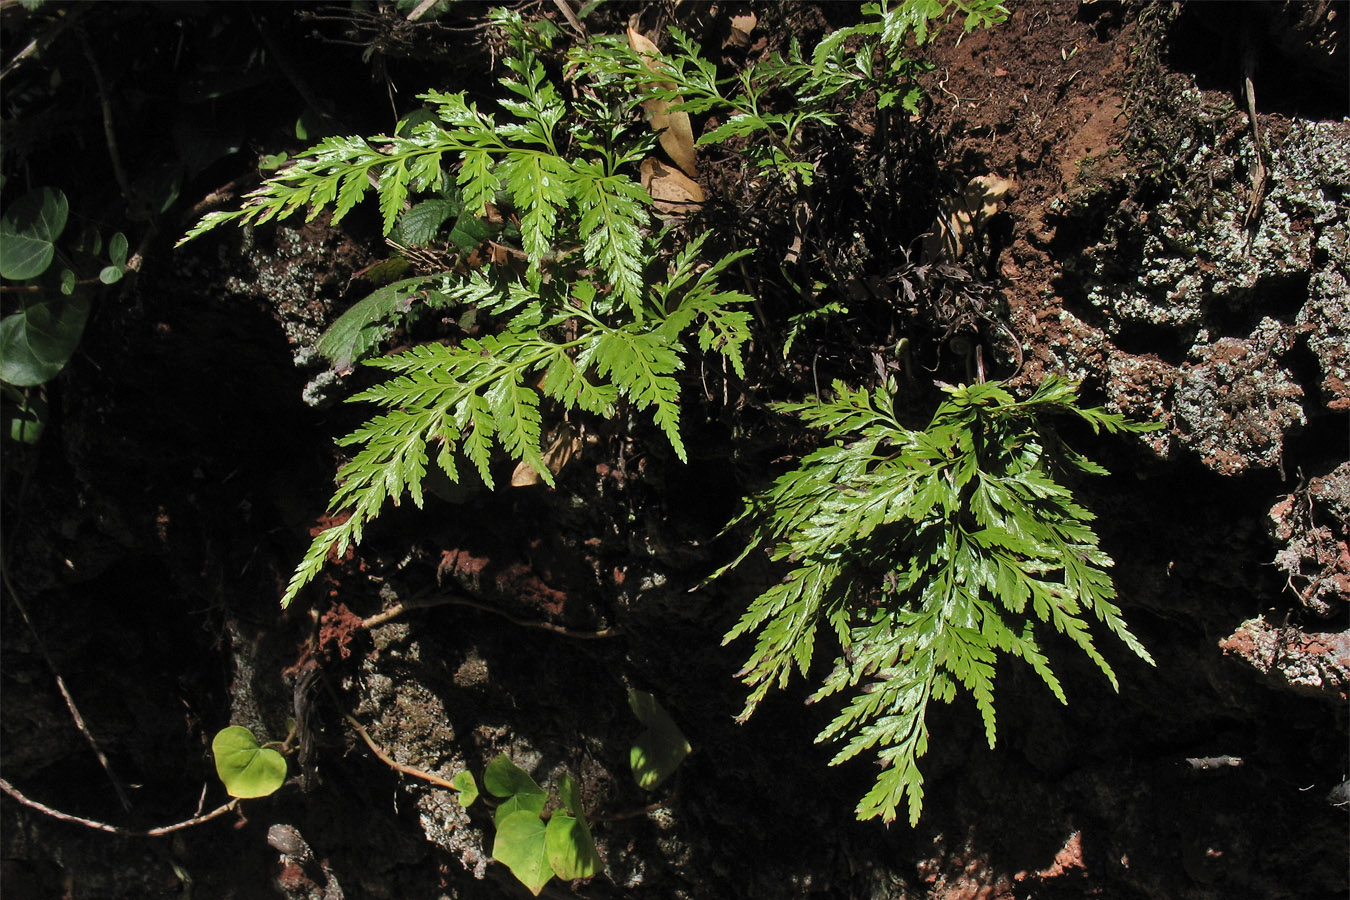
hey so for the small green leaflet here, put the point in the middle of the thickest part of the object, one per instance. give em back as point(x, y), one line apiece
point(247, 769)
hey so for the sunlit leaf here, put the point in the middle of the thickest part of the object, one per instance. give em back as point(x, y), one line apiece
point(247, 769)
point(660, 749)
point(521, 846)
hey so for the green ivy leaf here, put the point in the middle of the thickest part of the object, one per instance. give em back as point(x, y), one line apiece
point(247, 769)
point(571, 849)
point(26, 420)
point(468, 788)
point(522, 846)
point(38, 340)
point(660, 749)
point(28, 233)
point(504, 778)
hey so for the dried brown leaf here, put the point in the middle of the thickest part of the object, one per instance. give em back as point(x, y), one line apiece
point(676, 131)
point(566, 445)
point(672, 191)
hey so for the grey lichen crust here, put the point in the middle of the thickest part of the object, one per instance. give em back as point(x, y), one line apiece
point(1240, 296)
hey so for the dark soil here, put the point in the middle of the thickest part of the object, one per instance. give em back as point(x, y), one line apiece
point(150, 535)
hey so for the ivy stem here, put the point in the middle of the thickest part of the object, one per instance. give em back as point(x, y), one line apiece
point(394, 764)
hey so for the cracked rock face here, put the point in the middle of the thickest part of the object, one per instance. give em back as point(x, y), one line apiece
point(1307, 662)
point(1181, 264)
point(1235, 402)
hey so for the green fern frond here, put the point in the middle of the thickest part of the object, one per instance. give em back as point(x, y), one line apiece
point(575, 331)
point(989, 546)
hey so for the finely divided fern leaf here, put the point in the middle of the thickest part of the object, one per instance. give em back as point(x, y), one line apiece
point(928, 554)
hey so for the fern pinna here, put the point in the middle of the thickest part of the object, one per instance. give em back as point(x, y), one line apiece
point(585, 326)
point(924, 555)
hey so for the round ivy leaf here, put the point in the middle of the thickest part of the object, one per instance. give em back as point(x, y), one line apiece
point(467, 787)
point(570, 848)
point(503, 778)
point(246, 769)
point(117, 250)
point(28, 233)
point(37, 341)
point(660, 749)
point(520, 846)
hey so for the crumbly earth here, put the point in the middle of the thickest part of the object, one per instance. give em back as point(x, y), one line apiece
point(1137, 252)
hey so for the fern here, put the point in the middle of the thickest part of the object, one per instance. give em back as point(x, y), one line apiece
point(749, 102)
point(590, 325)
point(926, 555)
point(526, 156)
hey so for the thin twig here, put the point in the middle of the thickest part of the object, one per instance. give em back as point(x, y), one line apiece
point(115, 829)
point(566, 9)
point(423, 602)
point(65, 693)
point(395, 764)
point(34, 48)
point(1259, 171)
point(421, 10)
point(109, 133)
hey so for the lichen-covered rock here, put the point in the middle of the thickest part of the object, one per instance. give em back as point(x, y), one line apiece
point(1325, 319)
point(1199, 284)
point(1308, 662)
point(1235, 402)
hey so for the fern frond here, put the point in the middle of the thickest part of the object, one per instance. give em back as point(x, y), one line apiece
point(968, 542)
point(613, 215)
point(643, 364)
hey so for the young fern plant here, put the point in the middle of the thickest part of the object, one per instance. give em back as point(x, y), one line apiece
point(924, 555)
point(587, 326)
point(750, 103)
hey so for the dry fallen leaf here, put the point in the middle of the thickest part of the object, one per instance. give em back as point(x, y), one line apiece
point(565, 446)
point(676, 133)
point(961, 214)
point(741, 26)
point(672, 191)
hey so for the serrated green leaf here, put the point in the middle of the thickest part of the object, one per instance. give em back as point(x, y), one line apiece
point(420, 223)
point(369, 321)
